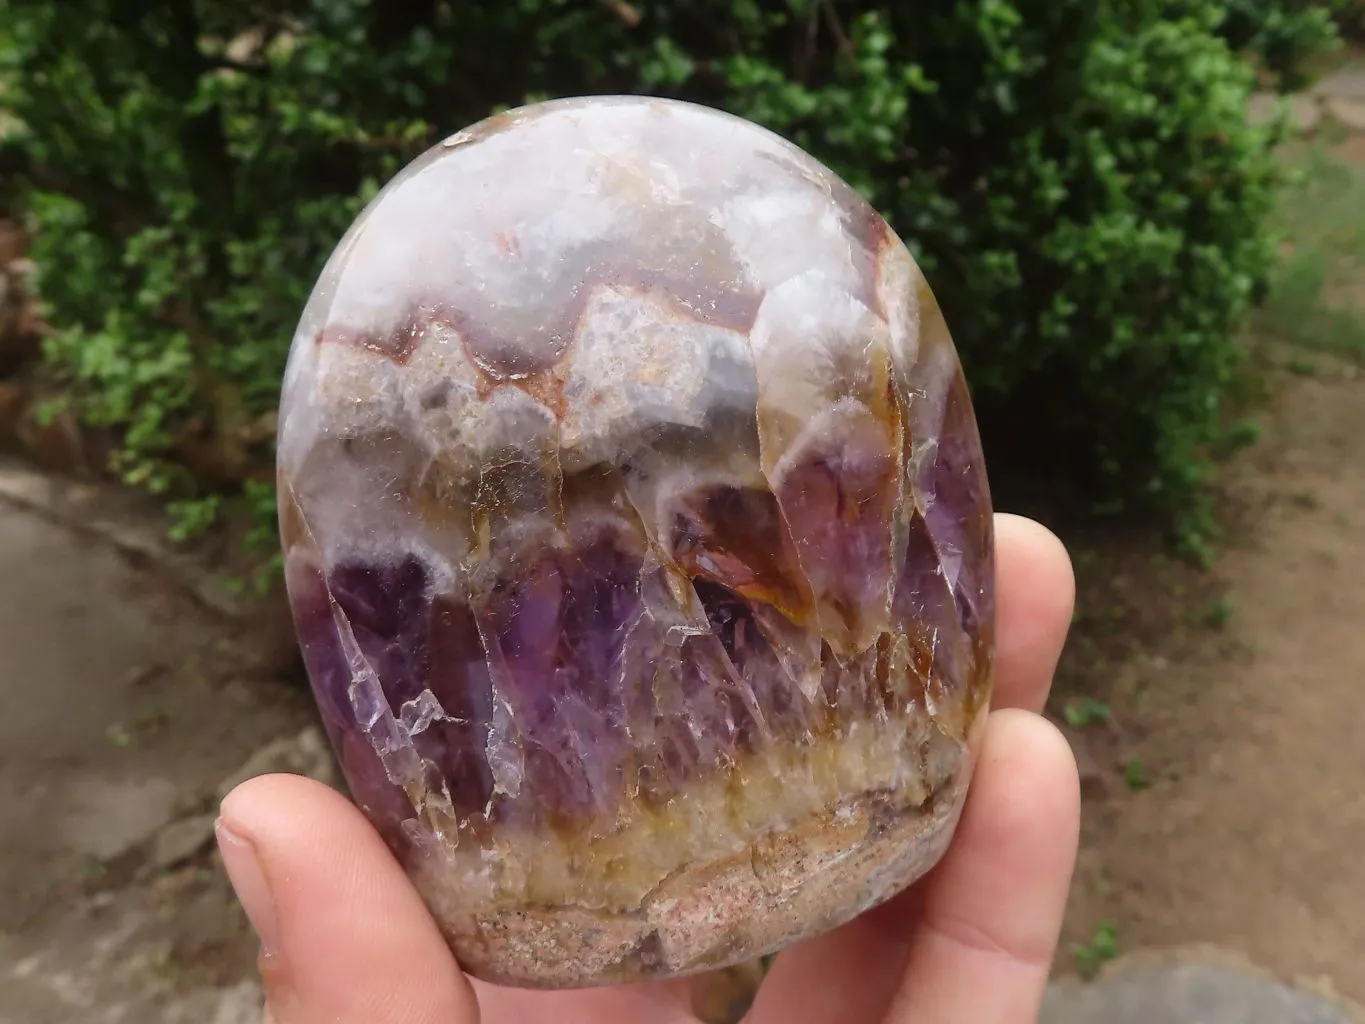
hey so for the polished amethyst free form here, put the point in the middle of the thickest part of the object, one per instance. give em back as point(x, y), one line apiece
point(638, 540)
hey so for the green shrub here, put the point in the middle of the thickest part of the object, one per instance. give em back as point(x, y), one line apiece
point(1076, 176)
point(1284, 34)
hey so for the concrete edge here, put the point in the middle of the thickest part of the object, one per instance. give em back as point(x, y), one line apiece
point(87, 509)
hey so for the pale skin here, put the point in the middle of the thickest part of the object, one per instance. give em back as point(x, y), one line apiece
point(347, 940)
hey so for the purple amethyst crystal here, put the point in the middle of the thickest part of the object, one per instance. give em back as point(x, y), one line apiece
point(638, 539)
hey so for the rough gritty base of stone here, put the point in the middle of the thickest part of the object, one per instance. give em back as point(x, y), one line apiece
point(1194, 986)
point(714, 914)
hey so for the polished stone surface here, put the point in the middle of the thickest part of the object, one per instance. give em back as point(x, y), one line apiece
point(639, 542)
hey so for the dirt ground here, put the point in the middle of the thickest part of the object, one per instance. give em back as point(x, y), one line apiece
point(1224, 799)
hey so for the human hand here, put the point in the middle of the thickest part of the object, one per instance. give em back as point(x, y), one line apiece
point(347, 940)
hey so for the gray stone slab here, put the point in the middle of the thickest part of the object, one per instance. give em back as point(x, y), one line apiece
point(1347, 81)
point(1190, 993)
point(1305, 113)
point(1304, 110)
point(1350, 112)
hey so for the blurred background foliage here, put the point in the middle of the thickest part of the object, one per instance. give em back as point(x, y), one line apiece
point(1077, 177)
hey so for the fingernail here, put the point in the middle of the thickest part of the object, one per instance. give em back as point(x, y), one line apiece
point(248, 880)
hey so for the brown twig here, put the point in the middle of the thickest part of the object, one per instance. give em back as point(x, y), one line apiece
point(836, 28)
point(230, 416)
point(628, 14)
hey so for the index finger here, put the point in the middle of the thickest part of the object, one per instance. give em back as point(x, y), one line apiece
point(1035, 594)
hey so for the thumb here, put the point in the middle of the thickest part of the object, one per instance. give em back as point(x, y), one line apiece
point(345, 938)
